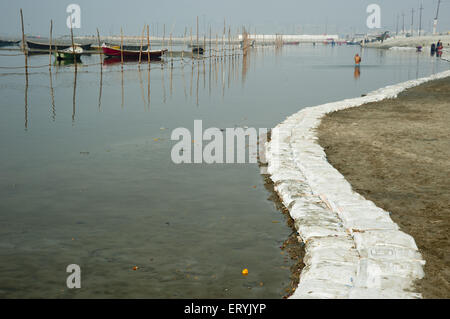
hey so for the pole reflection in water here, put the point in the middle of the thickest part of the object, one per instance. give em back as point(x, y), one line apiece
point(192, 79)
point(74, 93)
point(198, 79)
point(184, 80)
point(170, 78)
point(52, 96)
point(148, 87)
point(101, 86)
point(223, 71)
point(142, 87)
point(122, 87)
point(26, 95)
point(163, 83)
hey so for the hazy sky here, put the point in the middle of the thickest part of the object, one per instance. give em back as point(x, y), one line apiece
point(282, 16)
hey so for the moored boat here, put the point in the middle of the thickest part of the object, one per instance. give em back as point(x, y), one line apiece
point(127, 47)
point(116, 52)
point(55, 46)
point(69, 53)
point(8, 43)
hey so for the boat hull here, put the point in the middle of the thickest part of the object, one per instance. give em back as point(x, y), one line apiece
point(67, 56)
point(108, 51)
point(46, 47)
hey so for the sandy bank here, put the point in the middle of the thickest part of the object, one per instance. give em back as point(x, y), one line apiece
point(396, 153)
point(413, 42)
point(353, 249)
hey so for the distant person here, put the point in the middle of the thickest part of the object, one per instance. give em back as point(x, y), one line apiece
point(433, 48)
point(357, 59)
point(439, 45)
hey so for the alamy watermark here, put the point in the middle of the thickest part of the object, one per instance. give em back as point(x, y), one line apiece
point(74, 18)
point(374, 19)
point(218, 146)
point(74, 279)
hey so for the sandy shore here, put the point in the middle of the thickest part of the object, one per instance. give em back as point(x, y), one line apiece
point(396, 154)
point(424, 41)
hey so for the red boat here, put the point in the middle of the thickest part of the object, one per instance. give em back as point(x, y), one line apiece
point(115, 51)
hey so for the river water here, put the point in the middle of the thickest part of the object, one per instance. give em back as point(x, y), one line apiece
point(86, 175)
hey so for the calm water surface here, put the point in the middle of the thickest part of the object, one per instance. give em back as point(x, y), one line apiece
point(86, 175)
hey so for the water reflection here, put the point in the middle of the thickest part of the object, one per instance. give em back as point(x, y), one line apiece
point(74, 92)
point(357, 72)
point(216, 72)
point(52, 95)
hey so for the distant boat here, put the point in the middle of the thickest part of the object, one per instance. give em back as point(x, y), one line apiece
point(116, 52)
point(8, 43)
point(197, 50)
point(291, 42)
point(55, 46)
point(69, 53)
point(128, 47)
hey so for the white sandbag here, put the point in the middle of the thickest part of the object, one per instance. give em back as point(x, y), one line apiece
point(353, 248)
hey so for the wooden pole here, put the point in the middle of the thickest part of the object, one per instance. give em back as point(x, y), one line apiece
point(148, 46)
point(24, 45)
point(25, 53)
point(184, 45)
point(223, 39)
point(171, 53)
point(140, 49)
point(204, 43)
point(190, 35)
point(197, 44)
point(164, 36)
point(210, 35)
point(73, 46)
point(50, 52)
point(99, 45)
point(121, 47)
point(101, 72)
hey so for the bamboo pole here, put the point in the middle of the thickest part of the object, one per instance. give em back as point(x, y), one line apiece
point(98, 40)
point(25, 53)
point(184, 45)
point(148, 46)
point(210, 35)
point(197, 44)
point(101, 73)
point(223, 39)
point(24, 45)
point(204, 43)
point(171, 52)
point(140, 49)
point(50, 51)
point(164, 36)
point(217, 45)
point(73, 46)
point(121, 47)
point(190, 35)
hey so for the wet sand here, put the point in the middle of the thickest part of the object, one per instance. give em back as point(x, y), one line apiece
point(396, 153)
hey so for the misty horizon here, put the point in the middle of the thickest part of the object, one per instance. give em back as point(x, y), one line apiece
point(288, 17)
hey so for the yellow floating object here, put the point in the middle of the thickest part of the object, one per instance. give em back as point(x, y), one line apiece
point(245, 272)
